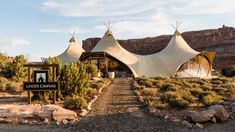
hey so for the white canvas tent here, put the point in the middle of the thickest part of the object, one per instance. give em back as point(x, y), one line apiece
point(71, 54)
point(165, 63)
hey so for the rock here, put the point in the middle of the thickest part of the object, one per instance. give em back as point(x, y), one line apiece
point(61, 113)
point(166, 117)
point(5, 120)
point(202, 116)
point(213, 119)
point(57, 123)
point(199, 125)
point(175, 119)
point(221, 113)
point(233, 107)
point(24, 121)
point(233, 104)
point(46, 121)
point(64, 121)
point(83, 112)
point(152, 110)
point(158, 113)
point(187, 124)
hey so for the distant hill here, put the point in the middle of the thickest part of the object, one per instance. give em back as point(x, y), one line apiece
point(221, 40)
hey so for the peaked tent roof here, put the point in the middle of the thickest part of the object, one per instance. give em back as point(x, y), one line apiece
point(164, 63)
point(72, 53)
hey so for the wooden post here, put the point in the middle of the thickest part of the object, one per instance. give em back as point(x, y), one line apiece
point(106, 66)
point(54, 79)
point(29, 92)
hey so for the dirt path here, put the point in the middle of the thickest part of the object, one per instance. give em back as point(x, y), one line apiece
point(118, 110)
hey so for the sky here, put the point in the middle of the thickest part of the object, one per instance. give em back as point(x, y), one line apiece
point(42, 28)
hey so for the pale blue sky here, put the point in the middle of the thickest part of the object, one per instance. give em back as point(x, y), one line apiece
point(41, 28)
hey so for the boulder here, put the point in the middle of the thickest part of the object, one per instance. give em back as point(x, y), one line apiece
point(175, 119)
point(202, 116)
point(65, 122)
point(213, 119)
point(233, 107)
point(60, 113)
point(158, 113)
point(83, 112)
point(198, 125)
point(187, 124)
point(152, 110)
point(221, 114)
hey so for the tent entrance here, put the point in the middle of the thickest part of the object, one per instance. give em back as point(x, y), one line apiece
point(107, 63)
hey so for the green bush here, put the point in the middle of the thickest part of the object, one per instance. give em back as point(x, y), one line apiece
point(74, 80)
point(75, 103)
point(174, 99)
point(92, 92)
point(186, 95)
point(92, 69)
point(211, 99)
point(179, 102)
point(228, 72)
point(11, 88)
point(3, 82)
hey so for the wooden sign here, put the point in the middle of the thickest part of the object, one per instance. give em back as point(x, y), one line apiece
point(40, 82)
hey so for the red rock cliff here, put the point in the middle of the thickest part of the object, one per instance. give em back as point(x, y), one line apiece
point(221, 40)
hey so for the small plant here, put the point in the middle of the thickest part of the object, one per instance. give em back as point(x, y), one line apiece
point(91, 92)
point(211, 99)
point(149, 92)
point(75, 103)
point(196, 92)
point(157, 104)
point(168, 87)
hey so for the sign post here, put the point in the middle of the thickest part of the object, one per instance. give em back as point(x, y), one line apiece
point(39, 81)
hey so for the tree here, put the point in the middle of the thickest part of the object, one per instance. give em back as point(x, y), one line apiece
point(74, 80)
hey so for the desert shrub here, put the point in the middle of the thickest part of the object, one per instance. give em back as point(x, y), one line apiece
point(137, 86)
point(179, 102)
point(211, 99)
point(146, 82)
point(228, 72)
point(174, 99)
point(11, 88)
point(92, 69)
point(230, 88)
point(206, 87)
point(91, 92)
point(169, 87)
point(186, 95)
point(75, 103)
point(149, 92)
point(74, 80)
point(157, 104)
point(3, 82)
point(196, 91)
point(186, 84)
point(96, 85)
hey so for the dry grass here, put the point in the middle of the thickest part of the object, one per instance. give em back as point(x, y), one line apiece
point(183, 92)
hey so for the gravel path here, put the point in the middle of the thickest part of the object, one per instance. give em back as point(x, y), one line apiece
point(117, 109)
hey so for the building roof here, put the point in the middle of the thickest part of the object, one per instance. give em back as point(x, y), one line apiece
point(164, 63)
point(71, 54)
